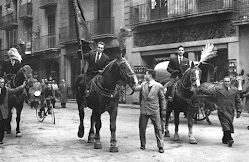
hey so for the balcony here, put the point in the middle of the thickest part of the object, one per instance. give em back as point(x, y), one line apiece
point(3, 55)
point(8, 21)
point(67, 35)
point(242, 16)
point(101, 28)
point(178, 9)
point(44, 4)
point(45, 43)
point(25, 11)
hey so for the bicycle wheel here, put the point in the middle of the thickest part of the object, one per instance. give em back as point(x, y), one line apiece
point(40, 116)
point(52, 115)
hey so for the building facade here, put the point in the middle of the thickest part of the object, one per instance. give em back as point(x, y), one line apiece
point(45, 32)
point(160, 26)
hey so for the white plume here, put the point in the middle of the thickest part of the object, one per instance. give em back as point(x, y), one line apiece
point(14, 54)
point(209, 51)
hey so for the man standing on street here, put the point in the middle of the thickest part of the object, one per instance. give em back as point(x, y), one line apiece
point(63, 88)
point(227, 100)
point(152, 102)
point(177, 66)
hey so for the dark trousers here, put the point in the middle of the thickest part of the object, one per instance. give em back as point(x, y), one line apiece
point(156, 121)
point(170, 87)
point(63, 105)
point(2, 128)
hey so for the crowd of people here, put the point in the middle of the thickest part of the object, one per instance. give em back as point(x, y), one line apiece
point(49, 88)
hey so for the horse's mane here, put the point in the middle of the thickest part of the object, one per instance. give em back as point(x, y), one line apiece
point(109, 65)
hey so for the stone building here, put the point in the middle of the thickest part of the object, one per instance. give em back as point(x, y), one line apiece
point(160, 26)
point(45, 31)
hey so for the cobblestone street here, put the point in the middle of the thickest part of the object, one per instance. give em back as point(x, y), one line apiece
point(44, 141)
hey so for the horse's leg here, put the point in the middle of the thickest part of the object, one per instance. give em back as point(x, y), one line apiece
point(192, 139)
point(8, 121)
point(81, 115)
point(91, 132)
point(113, 143)
point(18, 118)
point(97, 142)
point(176, 121)
point(168, 112)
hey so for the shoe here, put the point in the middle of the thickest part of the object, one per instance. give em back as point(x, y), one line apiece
point(49, 111)
point(230, 143)
point(142, 147)
point(161, 150)
point(1, 142)
point(224, 142)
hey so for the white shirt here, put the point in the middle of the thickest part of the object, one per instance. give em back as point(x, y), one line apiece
point(180, 58)
point(96, 58)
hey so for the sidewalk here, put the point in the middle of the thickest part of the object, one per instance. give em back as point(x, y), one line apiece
point(131, 106)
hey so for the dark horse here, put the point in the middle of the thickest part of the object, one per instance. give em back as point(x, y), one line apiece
point(184, 100)
point(17, 100)
point(103, 97)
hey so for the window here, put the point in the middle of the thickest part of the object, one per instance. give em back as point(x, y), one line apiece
point(51, 31)
point(11, 37)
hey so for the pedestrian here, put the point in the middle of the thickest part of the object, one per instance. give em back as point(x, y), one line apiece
point(152, 103)
point(4, 110)
point(227, 100)
point(177, 66)
point(63, 88)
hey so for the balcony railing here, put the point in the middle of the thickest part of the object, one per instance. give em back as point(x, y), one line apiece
point(46, 42)
point(176, 9)
point(101, 27)
point(243, 11)
point(25, 11)
point(8, 20)
point(67, 34)
point(47, 3)
point(3, 54)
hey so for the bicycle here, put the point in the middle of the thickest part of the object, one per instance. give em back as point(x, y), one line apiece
point(42, 113)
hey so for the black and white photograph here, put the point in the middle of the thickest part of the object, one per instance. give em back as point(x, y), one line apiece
point(124, 80)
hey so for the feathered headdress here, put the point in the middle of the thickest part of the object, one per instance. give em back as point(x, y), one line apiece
point(14, 54)
point(209, 51)
point(123, 34)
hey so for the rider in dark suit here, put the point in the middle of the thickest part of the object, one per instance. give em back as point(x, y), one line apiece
point(97, 60)
point(177, 66)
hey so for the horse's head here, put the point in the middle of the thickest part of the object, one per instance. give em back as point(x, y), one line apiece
point(125, 72)
point(238, 80)
point(192, 77)
point(24, 74)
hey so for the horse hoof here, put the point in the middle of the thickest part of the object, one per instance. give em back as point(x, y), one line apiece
point(97, 145)
point(167, 134)
point(80, 132)
point(113, 149)
point(90, 140)
point(176, 137)
point(192, 141)
point(18, 135)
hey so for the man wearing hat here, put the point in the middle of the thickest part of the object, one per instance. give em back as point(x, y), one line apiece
point(12, 65)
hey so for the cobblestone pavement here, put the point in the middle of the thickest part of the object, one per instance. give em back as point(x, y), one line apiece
point(44, 141)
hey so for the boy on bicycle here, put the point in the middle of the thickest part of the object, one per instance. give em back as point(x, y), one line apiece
point(46, 96)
